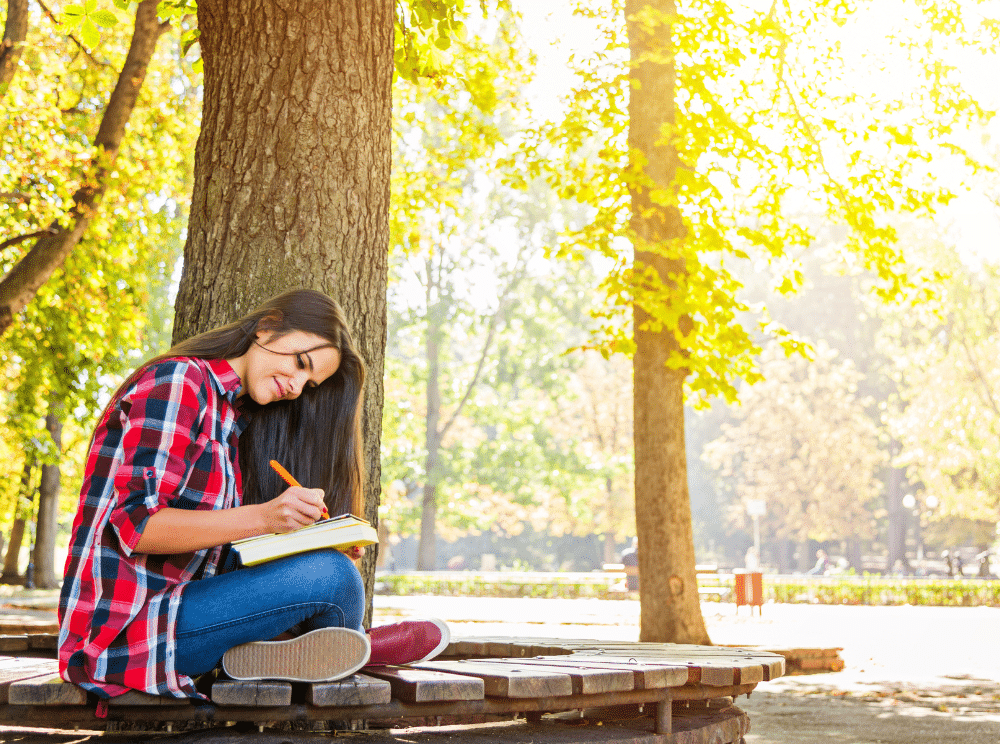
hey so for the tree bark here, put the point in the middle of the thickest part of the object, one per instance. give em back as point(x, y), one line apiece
point(47, 524)
point(292, 174)
point(670, 609)
point(14, 33)
point(22, 283)
point(427, 552)
point(10, 574)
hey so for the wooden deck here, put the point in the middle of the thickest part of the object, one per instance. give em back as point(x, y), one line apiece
point(476, 679)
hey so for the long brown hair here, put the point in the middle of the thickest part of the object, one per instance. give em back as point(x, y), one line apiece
point(317, 436)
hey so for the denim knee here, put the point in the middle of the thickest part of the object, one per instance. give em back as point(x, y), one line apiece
point(333, 579)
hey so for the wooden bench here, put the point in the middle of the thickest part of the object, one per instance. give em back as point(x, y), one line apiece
point(719, 592)
point(477, 678)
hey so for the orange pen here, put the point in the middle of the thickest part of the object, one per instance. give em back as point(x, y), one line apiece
point(287, 477)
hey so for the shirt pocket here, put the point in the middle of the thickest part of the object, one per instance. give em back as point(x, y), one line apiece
point(210, 476)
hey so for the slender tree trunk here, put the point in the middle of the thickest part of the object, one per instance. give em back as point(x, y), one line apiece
point(427, 555)
point(10, 565)
point(670, 606)
point(292, 174)
point(14, 33)
point(47, 525)
point(49, 252)
point(10, 573)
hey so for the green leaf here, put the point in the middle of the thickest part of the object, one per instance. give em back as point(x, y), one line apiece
point(104, 18)
point(89, 34)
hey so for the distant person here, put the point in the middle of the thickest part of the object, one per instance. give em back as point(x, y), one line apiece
point(984, 564)
point(630, 557)
point(822, 564)
point(949, 563)
point(959, 566)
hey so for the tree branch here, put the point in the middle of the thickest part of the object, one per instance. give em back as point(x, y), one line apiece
point(22, 283)
point(21, 238)
point(71, 37)
point(515, 279)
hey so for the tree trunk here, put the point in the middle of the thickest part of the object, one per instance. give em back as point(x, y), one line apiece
point(292, 174)
point(14, 33)
point(670, 609)
point(427, 553)
point(22, 283)
point(47, 524)
point(10, 574)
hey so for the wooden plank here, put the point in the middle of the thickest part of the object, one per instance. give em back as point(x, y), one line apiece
point(424, 686)
point(144, 699)
point(585, 681)
point(46, 691)
point(358, 689)
point(14, 669)
point(507, 681)
point(251, 693)
point(10, 643)
point(43, 641)
point(717, 666)
point(648, 675)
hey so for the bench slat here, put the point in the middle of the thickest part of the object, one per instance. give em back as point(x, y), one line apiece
point(649, 675)
point(144, 699)
point(14, 669)
point(585, 681)
point(358, 689)
point(46, 690)
point(424, 686)
point(9, 643)
point(506, 681)
point(251, 693)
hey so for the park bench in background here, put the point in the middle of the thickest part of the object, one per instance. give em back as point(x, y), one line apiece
point(658, 690)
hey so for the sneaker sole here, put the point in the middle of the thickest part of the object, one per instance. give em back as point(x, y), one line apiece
point(321, 655)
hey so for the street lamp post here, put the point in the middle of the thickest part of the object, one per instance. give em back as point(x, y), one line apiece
point(756, 508)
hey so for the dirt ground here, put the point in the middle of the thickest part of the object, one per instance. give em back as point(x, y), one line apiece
point(913, 675)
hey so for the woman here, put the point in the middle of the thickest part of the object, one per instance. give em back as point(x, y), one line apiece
point(177, 470)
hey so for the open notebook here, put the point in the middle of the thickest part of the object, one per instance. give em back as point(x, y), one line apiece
point(345, 531)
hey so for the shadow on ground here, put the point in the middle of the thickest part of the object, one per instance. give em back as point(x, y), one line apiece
point(800, 710)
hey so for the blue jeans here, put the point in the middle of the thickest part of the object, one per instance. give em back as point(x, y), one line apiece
point(312, 590)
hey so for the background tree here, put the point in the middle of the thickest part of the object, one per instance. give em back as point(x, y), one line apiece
point(101, 310)
point(719, 136)
point(947, 418)
point(56, 223)
point(805, 445)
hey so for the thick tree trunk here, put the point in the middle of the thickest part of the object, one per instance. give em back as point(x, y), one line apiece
point(292, 174)
point(670, 606)
point(19, 286)
point(14, 33)
point(47, 524)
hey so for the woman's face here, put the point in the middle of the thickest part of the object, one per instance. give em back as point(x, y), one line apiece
point(280, 368)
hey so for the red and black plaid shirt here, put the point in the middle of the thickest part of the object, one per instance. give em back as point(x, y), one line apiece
point(170, 440)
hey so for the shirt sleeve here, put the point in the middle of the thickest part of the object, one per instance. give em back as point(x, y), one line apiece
point(161, 419)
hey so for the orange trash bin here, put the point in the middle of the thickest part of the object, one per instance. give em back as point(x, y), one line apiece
point(749, 589)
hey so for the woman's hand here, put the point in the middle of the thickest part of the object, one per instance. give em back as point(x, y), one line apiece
point(295, 508)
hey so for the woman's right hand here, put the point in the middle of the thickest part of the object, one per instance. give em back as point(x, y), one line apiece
point(295, 508)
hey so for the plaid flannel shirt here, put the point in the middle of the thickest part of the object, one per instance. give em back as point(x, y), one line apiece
point(169, 440)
